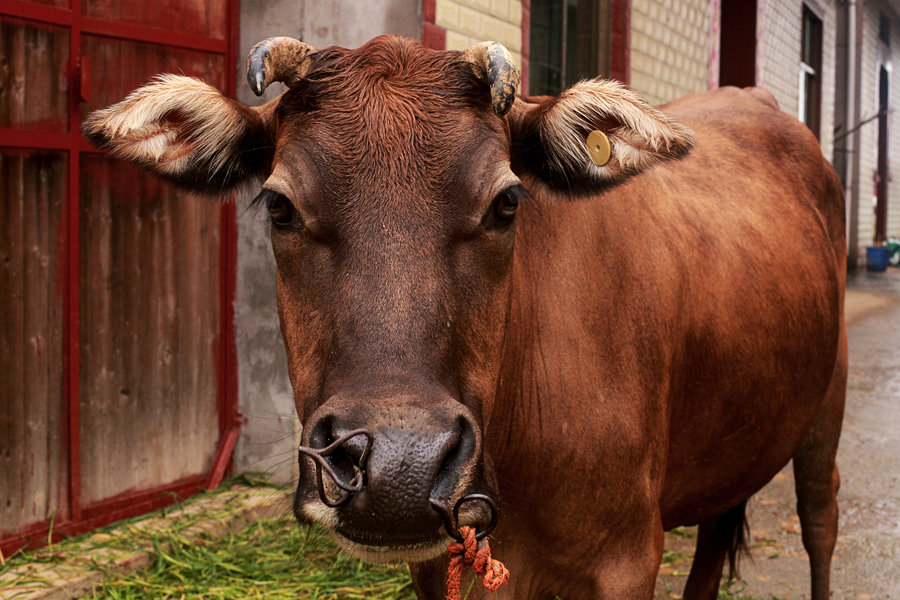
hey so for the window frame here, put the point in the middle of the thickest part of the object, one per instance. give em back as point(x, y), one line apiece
point(600, 46)
point(809, 85)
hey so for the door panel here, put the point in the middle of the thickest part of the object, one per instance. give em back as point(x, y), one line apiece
point(32, 447)
point(33, 66)
point(115, 290)
point(148, 329)
point(120, 66)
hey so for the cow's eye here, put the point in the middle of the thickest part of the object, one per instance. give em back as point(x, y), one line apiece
point(503, 210)
point(281, 211)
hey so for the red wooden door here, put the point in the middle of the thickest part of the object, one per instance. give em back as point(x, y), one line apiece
point(116, 358)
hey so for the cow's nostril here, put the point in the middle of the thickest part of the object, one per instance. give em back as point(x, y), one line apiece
point(323, 432)
point(349, 454)
point(341, 454)
point(459, 452)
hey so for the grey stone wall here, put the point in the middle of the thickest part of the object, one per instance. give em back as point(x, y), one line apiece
point(270, 434)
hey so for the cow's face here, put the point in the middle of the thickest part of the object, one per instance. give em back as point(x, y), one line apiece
point(392, 204)
point(392, 182)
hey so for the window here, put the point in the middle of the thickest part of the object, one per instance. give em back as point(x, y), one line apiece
point(569, 42)
point(809, 100)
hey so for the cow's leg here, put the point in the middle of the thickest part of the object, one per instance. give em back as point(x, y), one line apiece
point(816, 479)
point(715, 538)
point(628, 566)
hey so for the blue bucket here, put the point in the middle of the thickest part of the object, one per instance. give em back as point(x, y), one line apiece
point(877, 258)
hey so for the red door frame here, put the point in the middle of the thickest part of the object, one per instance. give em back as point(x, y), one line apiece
point(75, 518)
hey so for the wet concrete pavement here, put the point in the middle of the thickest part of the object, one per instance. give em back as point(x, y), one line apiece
point(867, 558)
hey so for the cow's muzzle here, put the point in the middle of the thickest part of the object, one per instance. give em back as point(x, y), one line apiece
point(390, 478)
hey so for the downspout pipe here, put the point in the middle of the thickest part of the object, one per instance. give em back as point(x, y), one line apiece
point(854, 98)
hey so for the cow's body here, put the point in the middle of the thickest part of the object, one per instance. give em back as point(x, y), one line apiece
point(643, 345)
point(670, 342)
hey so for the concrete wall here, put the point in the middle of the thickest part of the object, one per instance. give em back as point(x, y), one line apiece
point(269, 437)
point(468, 22)
point(669, 48)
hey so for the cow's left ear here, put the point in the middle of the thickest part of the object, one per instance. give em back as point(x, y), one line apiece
point(187, 132)
point(595, 133)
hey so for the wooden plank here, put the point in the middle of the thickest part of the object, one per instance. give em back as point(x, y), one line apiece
point(35, 94)
point(119, 66)
point(32, 473)
point(149, 330)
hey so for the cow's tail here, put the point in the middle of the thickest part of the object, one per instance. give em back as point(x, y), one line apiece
point(733, 524)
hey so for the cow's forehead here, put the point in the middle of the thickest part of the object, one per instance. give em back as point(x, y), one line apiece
point(388, 87)
point(393, 126)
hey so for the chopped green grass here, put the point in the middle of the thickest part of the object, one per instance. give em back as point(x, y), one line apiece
point(269, 559)
point(272, 558)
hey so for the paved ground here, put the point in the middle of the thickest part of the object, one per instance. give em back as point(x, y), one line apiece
point(867, 561)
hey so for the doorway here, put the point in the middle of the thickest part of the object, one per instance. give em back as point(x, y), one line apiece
point(881, 187)
point(737, 58)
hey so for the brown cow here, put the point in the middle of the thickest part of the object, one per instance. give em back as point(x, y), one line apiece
point(472, 305)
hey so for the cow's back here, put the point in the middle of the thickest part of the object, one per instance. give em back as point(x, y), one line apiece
point(687, 319)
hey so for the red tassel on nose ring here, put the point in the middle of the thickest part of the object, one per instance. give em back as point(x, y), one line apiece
point(477, 554)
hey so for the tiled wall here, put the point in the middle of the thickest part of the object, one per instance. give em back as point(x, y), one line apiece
point(669, 48)
point(468, 22)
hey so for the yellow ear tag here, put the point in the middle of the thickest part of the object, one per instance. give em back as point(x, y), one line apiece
point(598, 147)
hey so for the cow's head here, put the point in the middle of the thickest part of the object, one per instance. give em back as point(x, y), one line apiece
point(392, 175)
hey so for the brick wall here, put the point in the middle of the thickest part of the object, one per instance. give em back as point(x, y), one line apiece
point(893, 211)
point(868, 141)
point(669, 48)
point(468, 22)
point(873, 55)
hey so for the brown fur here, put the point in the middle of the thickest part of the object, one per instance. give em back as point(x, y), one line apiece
point(644, 347)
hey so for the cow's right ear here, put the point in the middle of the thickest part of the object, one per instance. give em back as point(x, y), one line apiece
point(553, 137)
point(187, 132)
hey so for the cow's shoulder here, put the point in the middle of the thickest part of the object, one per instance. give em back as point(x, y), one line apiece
point(755, 99)
point(748, 125)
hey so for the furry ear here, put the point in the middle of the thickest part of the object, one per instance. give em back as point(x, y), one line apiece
point(187, 132)
point(550, 135)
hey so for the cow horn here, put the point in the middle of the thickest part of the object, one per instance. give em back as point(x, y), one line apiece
point(277, 59)
point(495, 64)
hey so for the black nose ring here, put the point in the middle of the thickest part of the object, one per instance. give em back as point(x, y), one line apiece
point(347, 489)
point(451, 518)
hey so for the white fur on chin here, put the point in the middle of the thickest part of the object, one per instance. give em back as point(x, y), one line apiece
point(323, 515)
